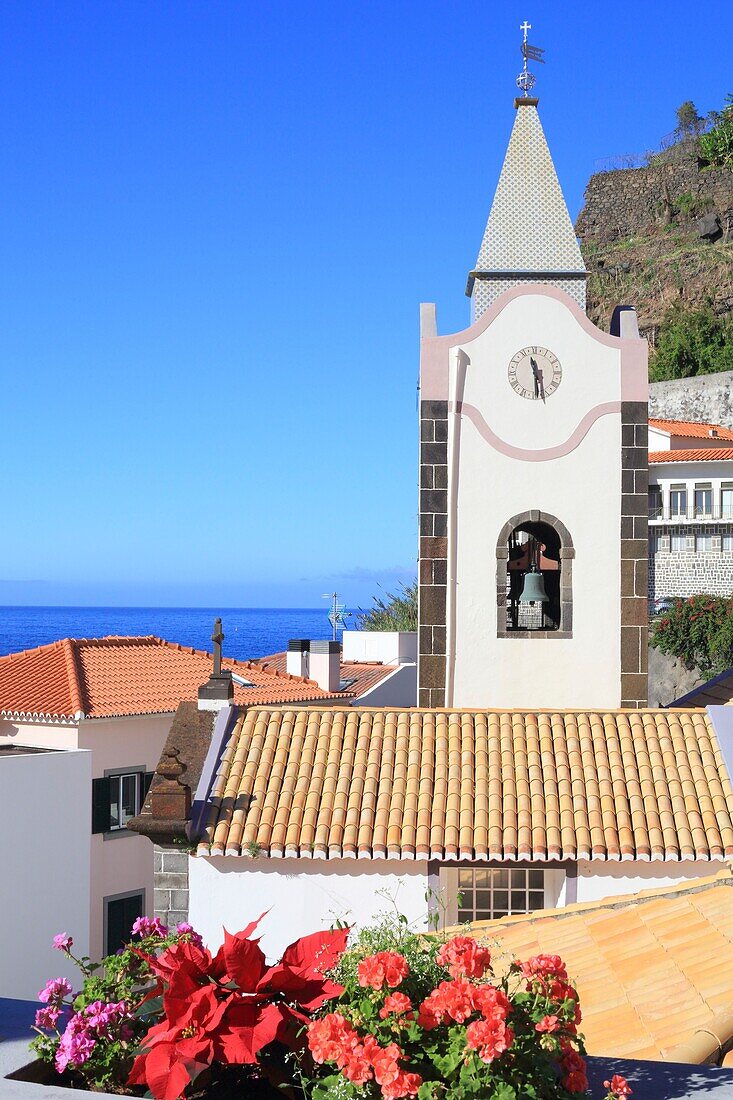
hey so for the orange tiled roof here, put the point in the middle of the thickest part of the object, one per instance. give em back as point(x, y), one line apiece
point(654, 970)
point(697, 454)
point(365, 674)
point(422, 784)
point(111, 677)
point(691, 428)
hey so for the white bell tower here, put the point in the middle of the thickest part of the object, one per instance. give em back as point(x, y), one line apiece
point(533, 470)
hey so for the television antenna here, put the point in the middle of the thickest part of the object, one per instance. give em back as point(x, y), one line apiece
point(338, 614)
point(527, 80)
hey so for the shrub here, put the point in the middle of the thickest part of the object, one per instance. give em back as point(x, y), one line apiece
point(398, 611)
point(717, 145)
point(432, 1020)
point(692, 342)
point(699, 631)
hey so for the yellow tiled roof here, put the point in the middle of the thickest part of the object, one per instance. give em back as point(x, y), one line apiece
point(442, 785)
point(654, 970)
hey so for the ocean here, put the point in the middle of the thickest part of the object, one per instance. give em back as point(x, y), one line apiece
point(248, 631)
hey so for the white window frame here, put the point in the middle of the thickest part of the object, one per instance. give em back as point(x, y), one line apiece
point(726, 500)
point(729, 539)
point(677, 539)
point(449, 878)
point(705, 539)
point(119, 775)
point(707, 489)
point(680, 491)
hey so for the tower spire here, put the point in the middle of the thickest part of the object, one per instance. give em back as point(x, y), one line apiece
point(529, 237)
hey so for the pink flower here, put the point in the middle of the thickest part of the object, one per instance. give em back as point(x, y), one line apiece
point(384, 968)
point(47, 1018)
point(618, 1086)
point(55, 990)
point(149, 926)
point(463, 957)
point(63, 941)
point(188, 930)
point(489, 1038)
point(548, 1024)
point(395, 1005)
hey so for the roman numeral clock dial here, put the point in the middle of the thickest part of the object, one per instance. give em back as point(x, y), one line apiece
point(535, 373)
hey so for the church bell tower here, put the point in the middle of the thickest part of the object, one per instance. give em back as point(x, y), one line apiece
point(533, 469)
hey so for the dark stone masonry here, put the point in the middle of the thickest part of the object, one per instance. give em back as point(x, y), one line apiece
point(433, 552)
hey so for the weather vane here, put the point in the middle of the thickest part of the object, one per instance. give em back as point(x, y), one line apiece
point(526, 80)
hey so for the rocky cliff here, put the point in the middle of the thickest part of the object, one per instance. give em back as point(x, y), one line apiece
point(655, 236)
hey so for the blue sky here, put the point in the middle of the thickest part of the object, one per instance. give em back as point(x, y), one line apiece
point(217, 222)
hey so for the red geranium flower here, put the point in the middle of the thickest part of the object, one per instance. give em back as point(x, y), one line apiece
point(384, 968)
point(463, 957)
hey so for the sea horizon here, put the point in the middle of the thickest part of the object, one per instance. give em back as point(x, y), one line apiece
point(249, 632)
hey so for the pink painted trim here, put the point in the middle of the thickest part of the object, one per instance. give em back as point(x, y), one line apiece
point(548, 453)
point(435, 349)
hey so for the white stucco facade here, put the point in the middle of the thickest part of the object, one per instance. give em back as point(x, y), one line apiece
point(114, 863)
point(303, 896)
point(44, 866)
point(561, 457)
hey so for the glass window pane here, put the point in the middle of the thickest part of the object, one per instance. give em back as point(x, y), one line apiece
point(518, 879)
point(518, 901)
point(501, 900)
point(114, 802)
point(129, 797)
point(500, 880)
point(536, 880)
point(482, 878)
point(464, 915)
point(536, 901)
point(465, 878)
point(498, 913)
point(483, 899)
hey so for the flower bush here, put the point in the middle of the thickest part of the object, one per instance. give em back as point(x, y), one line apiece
point(429, 1019)
point(395, 1015)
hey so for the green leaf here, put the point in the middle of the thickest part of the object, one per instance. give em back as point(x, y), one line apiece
point(503, 1091)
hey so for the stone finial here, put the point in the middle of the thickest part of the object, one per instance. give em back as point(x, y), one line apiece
point(218, 691)
point(170, 799)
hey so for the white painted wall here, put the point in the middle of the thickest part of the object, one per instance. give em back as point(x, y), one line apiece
point(121, 862)
point(44, 866)
point(302, 895)
point(398, 689)
point(597, 879)
point(582, 489)
point(391, 647)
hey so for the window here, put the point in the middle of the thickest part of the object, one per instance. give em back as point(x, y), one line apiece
point(703, 501)
point(118, 797)
point(726, 500)
point(727, 542)
point(120, 913)
point(677, 543)
point(488, 893)
point(678, 500)
point(658, 543)
point(655, 502)
point(703, 542)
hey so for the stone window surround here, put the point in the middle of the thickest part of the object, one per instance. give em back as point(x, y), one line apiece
point(567, 553)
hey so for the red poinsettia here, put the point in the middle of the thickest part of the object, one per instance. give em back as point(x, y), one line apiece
point(228, 1007)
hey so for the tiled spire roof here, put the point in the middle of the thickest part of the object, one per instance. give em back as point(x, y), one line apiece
point(529, 227)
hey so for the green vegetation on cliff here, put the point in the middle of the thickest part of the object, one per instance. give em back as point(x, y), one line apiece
point(691, 342)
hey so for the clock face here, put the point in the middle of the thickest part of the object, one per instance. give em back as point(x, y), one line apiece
point(535, 373)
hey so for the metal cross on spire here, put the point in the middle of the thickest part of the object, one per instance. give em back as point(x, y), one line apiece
point(526, 80)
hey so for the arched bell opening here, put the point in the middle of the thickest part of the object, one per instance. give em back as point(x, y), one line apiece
point(534, 577)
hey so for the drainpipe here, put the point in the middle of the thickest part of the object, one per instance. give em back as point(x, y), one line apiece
point(456, 382)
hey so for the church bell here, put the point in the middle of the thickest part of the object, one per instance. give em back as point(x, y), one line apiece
point(533, 589)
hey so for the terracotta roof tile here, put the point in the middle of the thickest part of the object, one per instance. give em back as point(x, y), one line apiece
point(692, 429)
point(699, 454)
point(365, 674)
point(654, 970)
point(443, 785)
point(110, 677)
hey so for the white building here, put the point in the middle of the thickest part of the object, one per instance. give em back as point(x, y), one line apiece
point(690, 509)
point(44, 794)
point(533, 485)
point(319, 814)
point(109, 702)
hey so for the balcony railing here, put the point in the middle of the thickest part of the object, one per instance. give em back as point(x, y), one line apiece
point(691, 514)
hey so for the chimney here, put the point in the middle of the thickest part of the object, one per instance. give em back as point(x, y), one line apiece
point(297, 659)
point(713, 432)
point(325, 664)
point(218, 691)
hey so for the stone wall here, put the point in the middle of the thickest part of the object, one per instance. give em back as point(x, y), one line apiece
point(688, 572)
point(708, 397)
point(433, 552)
point(624, 203)
point(170, 880)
